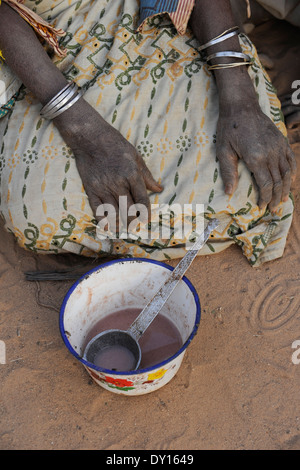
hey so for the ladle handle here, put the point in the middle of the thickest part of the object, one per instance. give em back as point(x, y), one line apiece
point(145, 318)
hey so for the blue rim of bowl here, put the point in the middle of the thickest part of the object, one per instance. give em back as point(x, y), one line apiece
point(138, 371)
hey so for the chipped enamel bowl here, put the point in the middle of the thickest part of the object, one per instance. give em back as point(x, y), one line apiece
point(122, 284)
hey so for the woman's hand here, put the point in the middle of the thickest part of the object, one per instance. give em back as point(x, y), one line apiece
point(108, 164)
point(245, 132)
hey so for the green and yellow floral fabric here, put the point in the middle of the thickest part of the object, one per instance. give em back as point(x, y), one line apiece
point(156, 90)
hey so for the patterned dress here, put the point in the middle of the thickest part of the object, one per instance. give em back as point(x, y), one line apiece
point(140, 68)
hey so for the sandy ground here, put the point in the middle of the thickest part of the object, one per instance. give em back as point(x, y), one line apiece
point(236, 389)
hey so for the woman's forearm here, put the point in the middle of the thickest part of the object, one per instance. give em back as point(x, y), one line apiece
point(209, 19)
point(243, 130)
point(25, 55)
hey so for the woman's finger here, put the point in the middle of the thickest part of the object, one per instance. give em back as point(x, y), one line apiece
point(141, 199)
point(292, 162)
point(108, 215)
point(149, 180)
point(228, 161)
point(264, 182)
point(286, 174)
point(277, 189)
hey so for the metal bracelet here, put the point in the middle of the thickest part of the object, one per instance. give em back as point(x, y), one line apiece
point(65, 89)
point(62, 101)
point(59, 100)
point(67, 106)
point(238, 55)
point(227, 66)
point(222, 37)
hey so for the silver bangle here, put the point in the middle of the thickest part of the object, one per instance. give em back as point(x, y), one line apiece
point(67, 106)
point(53, 100)
point(222, 37)
point(61, 101)
point(61, 91)
point(227, 66)
point(238, 55)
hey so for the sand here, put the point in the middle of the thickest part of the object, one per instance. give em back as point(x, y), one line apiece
point(236, 389)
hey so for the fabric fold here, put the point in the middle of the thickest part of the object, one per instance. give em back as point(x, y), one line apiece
point(46, 31)
point(179, 12)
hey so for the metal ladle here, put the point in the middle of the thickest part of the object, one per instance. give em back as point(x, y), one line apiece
point(129, 339)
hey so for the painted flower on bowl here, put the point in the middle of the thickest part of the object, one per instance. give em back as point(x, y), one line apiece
point(118, 382)
point(157, 375)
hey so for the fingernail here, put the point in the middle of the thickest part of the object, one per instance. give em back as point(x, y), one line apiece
point(228, 189)
point(263, 207)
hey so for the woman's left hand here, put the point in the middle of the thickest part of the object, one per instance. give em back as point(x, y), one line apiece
point(245, 132)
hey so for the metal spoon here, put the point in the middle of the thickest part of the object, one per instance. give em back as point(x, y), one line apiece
point(129, 339)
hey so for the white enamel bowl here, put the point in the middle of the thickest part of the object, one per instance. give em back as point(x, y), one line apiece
point(127, 283)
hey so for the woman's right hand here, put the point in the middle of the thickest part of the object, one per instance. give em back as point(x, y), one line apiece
point(108, 164)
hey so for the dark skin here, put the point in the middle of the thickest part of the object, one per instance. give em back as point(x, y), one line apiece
point(285, 33)
point(110, 166)
point(244, 131)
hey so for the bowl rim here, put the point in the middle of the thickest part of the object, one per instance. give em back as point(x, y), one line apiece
point(138, 371)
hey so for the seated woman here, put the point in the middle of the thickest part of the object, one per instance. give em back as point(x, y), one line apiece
point(164, 109)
